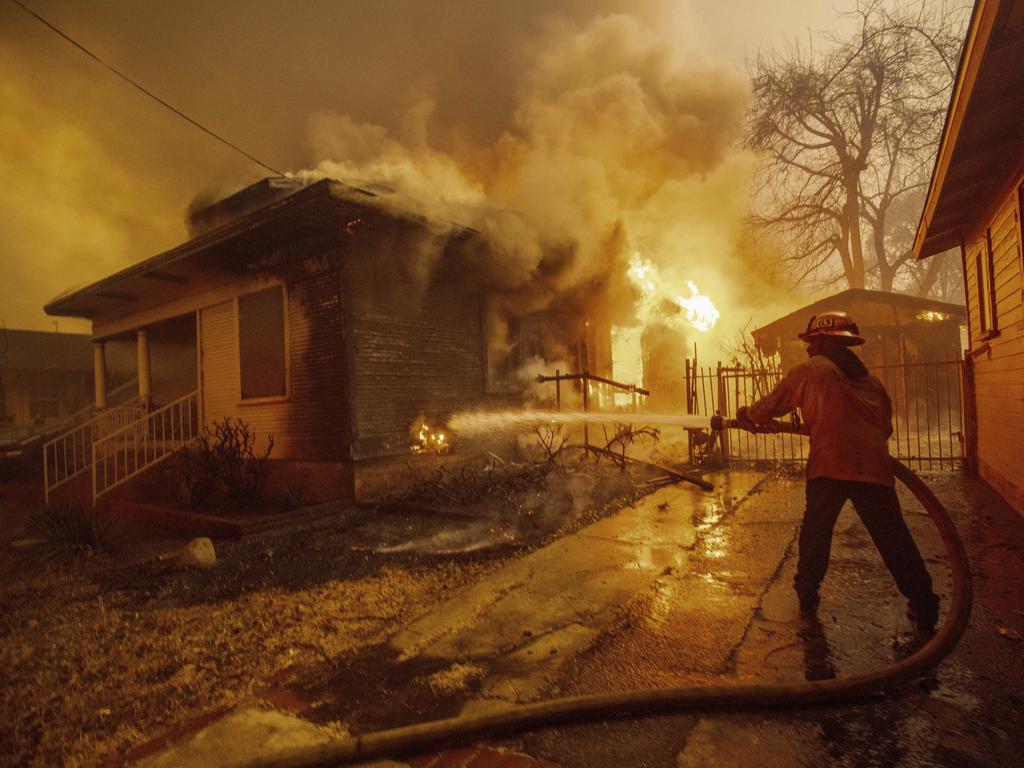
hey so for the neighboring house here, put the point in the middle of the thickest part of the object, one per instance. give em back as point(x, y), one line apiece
point(898, 328)
point(45, 377)
point(322, 314)
point(974, 202)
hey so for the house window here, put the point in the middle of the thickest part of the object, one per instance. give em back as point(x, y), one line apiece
point(1018, 215)
point(44, 401)
point(979, 284)
point(261, 343)
point(990, 284)
point(986, 287)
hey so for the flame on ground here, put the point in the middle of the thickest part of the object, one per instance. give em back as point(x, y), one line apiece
point(429, 441)
point(660, 303)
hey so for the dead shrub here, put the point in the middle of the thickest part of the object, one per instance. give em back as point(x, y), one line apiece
point(68, 532)
point(623, 436)
point(552, 440)
point(224, 463)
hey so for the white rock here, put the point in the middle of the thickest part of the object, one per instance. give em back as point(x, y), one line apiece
point(198, 553)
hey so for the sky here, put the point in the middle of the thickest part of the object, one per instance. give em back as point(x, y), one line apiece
point(96, 176)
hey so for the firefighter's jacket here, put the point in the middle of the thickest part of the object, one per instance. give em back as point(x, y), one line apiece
point(849, 420)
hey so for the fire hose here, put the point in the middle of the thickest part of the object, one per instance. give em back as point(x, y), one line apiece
point(413, 739)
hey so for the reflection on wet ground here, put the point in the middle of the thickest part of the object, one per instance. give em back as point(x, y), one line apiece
point(688, 589)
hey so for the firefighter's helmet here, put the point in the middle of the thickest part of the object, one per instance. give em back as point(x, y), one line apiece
point(836, 324)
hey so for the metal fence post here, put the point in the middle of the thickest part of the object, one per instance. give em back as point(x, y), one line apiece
point(723, 409)
point(586, 408)
point(969, 417)
point(689, 405)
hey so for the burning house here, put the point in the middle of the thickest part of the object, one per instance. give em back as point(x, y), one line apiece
point(975, 203)
point(324, 315)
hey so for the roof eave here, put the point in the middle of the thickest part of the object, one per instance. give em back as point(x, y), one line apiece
point(63, 306)
point(976, 42)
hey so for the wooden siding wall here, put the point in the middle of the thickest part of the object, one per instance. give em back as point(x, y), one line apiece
point(411, 354)
point(999, 358)
point(310, 423)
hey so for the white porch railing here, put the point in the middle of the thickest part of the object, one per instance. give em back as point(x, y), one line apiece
point(69, 455)
point(116, 398)
point(123, 453)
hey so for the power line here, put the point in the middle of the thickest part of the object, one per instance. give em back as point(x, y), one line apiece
point(151, 95)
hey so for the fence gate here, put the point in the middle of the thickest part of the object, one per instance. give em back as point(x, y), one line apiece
point(927, 412)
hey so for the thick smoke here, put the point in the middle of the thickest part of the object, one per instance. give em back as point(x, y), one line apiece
point(614, 149)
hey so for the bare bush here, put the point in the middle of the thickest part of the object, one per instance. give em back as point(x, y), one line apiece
point(69, 532)
point(225, 462)
point(552, 440)
point(622, 438)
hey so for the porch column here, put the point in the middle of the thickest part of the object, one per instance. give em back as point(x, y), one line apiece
point(99, 368)
point(145, 387)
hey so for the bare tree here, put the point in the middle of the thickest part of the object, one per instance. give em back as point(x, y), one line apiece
point(848, 135)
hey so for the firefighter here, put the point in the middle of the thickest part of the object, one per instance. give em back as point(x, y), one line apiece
point(849, 415)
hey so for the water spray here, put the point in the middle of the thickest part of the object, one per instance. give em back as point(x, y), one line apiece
point(483, 422)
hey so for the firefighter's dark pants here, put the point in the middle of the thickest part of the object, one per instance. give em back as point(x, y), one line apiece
point(879, 510)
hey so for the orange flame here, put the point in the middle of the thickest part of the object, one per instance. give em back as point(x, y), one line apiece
point(429, 441)
point(659, 303)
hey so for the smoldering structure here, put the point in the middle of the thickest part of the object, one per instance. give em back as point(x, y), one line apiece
point(332, 318)
point(341, 308)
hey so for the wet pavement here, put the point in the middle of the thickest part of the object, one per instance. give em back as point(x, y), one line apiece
point(686, 588)
point(520, 627)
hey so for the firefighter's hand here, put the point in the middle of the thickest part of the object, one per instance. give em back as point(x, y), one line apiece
point(743, 417)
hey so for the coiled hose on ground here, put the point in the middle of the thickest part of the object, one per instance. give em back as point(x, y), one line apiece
point(413, 739)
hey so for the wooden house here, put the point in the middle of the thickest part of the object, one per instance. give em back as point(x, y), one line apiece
point(45, 377)
point(898, 328)
point(975, 203)
point(322, 314)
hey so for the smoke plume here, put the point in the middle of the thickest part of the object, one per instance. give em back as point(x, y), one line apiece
point(614, 150)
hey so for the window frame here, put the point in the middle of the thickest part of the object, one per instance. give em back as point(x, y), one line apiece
point(1018, 214)
point(36, 386)
point(984, 280)
point(286, 397)
point(990, 284)
point(979, 285)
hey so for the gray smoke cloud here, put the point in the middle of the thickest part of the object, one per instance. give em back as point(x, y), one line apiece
point(615, 149)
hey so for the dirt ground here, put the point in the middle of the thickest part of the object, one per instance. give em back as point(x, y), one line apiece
point(109, 651)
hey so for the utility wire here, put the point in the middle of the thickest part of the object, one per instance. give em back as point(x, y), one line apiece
point(149, 93)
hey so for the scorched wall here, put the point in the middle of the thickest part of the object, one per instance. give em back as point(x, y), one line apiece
point(413, 353)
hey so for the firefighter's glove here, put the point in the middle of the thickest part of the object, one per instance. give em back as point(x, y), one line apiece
point(743, 420)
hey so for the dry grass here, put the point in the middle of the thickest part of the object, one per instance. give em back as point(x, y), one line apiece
point(100, 659)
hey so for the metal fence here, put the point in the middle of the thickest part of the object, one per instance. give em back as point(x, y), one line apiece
point(927, 413)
